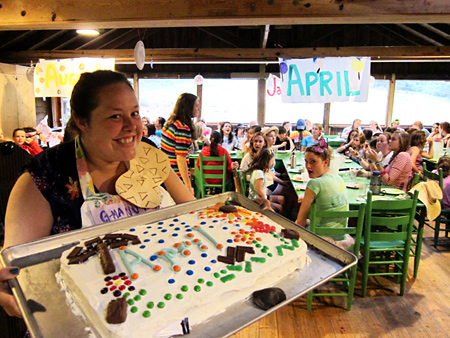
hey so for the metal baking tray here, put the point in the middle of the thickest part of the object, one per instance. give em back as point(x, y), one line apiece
point(47, 314)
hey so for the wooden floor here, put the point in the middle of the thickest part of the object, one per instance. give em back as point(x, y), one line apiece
point(424, 310)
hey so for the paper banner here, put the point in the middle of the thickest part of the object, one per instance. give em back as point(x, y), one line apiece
point(56, 78)
point(322, 80)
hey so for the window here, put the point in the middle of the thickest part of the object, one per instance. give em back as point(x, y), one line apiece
point(374, 109)
point(233, 100)
point(157, 97)
point(425, 101)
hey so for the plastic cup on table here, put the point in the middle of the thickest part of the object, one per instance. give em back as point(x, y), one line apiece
point(363, 189)
point(352, 175)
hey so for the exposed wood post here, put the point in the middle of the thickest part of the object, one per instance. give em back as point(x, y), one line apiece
point(200, 95)
point(390, 104)
point(136, 85)
point(261, 119)
point(56, 111)
point(326, 118)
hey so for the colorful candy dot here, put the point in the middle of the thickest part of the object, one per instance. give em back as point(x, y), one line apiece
point(207, 268)
point(117, 293)
point(146, 314)
point(179, 296)
point(204, 255)
point(137, 298)
point(184, 288)
point(161, 305)
point(209, 283)
point(197, 288)
point(168, 296)
point(130, 302)
point(171, 281)
point(191, 262)
point(126, 294)
point(134, 309)
point(200, 281)
point(131, 288)
point(103, 291)
point(216, 274)
point(189, 272)
point(150, 305)
point(142, 292)
point(134, 276)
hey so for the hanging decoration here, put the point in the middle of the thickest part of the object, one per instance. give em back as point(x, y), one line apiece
point(139, 54)
point(198, 79)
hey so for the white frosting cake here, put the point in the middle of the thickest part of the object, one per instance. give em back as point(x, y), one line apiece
point(175, 271)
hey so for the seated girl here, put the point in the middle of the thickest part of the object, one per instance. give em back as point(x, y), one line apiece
point(398, 173)
point(257, 142)
point(328, 191)
point(418, 141)
point(259, 168)
point(444, 163)
point(215, 149)
point(345, 147)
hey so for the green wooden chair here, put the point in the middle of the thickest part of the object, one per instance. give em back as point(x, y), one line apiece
point(444, 217)
point(240, 182)
point(387, 239)
point(417, 233)
point(347, 278)
point(208, 163)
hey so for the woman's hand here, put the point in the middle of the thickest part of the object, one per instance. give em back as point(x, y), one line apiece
point(7, 300)
point(372, 155)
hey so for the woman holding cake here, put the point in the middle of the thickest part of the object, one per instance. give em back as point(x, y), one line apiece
point(74, 184)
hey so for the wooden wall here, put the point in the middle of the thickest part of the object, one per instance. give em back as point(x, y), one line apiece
point(17, 103)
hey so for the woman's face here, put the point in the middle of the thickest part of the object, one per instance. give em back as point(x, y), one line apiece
point(382, 143)
point(196, 109)
point(435, 128)
point(226, 128)
point(357, 123)
point(282, 137)
point(307, 125)
point(240, 132)
point(19, 137)
point(316, 131)
point(353, 135)
point(315, 165)
point(271, 138)
point(144, 121)
point(394, 143)
point(115, 128)
point(287, 126)
point(258, 142)
point(356, 141)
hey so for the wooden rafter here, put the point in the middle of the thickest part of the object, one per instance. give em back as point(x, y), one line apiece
point(243, 55)
point(50, 14)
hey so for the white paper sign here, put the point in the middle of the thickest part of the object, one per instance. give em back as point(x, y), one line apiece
point(56, 78)
point(322, 80)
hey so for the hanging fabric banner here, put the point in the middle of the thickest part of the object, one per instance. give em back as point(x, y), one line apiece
point(322, 80)
point(56, 78)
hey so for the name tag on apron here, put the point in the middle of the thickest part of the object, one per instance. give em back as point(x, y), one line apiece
point(113, 212)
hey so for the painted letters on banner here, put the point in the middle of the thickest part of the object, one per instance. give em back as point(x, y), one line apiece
point(322, 80)
point(56, 78)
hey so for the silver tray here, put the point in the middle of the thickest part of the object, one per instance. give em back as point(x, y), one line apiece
point(47, 315)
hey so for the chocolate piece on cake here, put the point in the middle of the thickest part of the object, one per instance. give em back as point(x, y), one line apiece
point(267, 298)
point(105, 259)
point(112, 236)
point(74, 253)
point(228, 208)
point(116, 312)
point(92, 242)
point(118, 244)
point(226, 259)
point(231, 251)
point(240, 256)
point(82, 258)
point(290, 234)
point(248, 249)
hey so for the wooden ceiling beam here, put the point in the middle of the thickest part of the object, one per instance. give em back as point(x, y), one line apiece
point(231, 55)
point(104, 14)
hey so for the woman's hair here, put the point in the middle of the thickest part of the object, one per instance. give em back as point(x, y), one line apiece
point(215, 139)
point(350, 134)
point(281, 130)
point(16, 130)
point(255, 128)
point(445, 126)
point(284, 123)
point(404, 140)
point(85, 93)
point(325, 153)
point(161, 121)
point(198, 131)
point(418, 139)
point(444, 163)
point(183, 111)
point(319, 126)
point(151, 129)
point(390, 130)
point(261, 161)
point(230, 135)
point(362, 140)
point(353, 124)
point(368, 133)
point(251, 149)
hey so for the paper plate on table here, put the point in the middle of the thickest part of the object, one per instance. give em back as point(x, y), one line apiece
point(298, 178)
point(284, 151)
point(352, 185)
point(295, 170)
point(300, 186)
point(348, 161)
point(392, 191)
point(232, 152)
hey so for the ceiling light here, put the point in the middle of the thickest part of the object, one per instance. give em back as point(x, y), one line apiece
point(88, 31)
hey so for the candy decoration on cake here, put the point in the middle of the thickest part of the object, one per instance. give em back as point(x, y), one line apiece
point(148, 170)
point(116, 312)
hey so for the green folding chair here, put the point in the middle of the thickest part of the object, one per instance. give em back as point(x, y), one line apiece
point(202, 176)
point(444, 216)
point(387, 239)
point(348, 278)
point(240, 182)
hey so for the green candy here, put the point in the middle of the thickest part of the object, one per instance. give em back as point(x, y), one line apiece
point(179, 296)
point(197, 288)
point(134, 309)
point(161, 305)
point(168, 296)
point(146, 314)
point(184, 288)
point(150, 305)
point(142, 292)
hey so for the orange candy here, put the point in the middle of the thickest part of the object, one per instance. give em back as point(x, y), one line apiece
point(161, 253)
point(219, 246)
point(155, 268)
point(176, 268)
point(134, 276)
